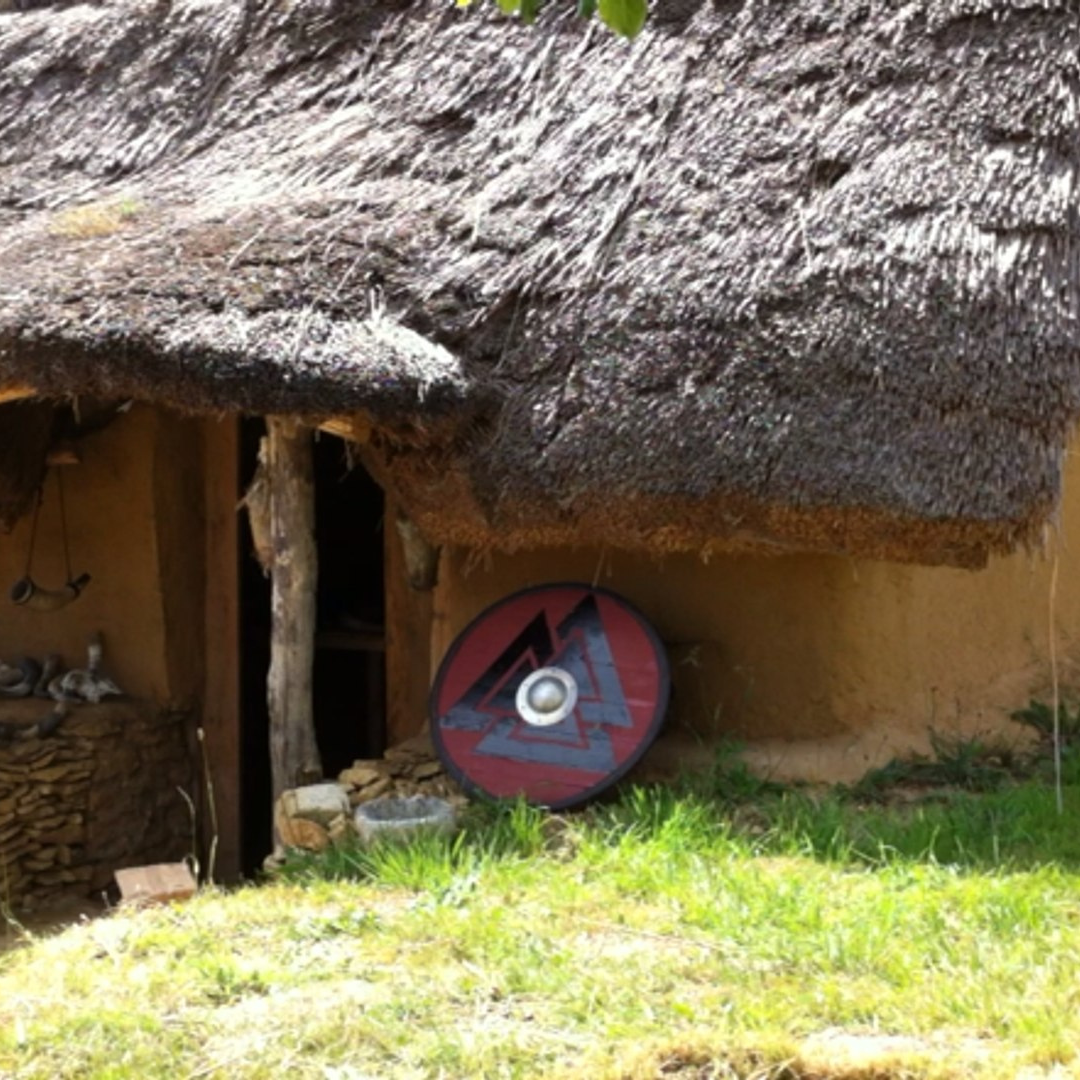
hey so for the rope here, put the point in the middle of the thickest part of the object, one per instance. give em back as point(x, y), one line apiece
point(63, 527)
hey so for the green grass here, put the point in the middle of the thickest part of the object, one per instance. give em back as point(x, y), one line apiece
point(715, 931)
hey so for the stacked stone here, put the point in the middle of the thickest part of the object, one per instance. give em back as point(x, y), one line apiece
point(98, 795)
point(316, 816)
point(312, 817)
point(42, 836)
point(410, 768)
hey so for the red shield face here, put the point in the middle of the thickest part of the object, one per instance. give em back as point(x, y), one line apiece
point(552, 694)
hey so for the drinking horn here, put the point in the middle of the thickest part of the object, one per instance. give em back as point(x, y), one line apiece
point(27, 594)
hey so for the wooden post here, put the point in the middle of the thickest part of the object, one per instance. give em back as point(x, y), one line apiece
point(294, 754)
point(221, 695)
point(408, 641)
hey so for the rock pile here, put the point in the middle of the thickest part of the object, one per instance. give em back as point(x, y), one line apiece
point(318, 815)
point(410, 768)
point(99, 795)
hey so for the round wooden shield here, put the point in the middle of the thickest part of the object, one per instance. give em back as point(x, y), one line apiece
point(552, 694)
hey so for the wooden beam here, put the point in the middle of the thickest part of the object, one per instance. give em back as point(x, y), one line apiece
point(221, 691)
point(294, 753)
point(356, 429)
point(16, 393)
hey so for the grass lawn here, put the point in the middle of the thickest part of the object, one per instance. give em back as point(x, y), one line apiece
point(723, 930)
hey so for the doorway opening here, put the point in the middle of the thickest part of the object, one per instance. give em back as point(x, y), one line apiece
point(349, 678)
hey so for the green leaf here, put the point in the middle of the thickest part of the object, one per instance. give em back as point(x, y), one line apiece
point(529, 9)
point(625, 17)
point(509, 7)
point(586, 8)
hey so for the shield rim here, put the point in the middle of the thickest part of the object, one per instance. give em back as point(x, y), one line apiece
point(612, 778)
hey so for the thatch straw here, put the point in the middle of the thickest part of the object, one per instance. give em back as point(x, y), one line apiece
point(799, 274)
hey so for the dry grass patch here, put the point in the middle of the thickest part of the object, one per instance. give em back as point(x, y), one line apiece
point(94, 219)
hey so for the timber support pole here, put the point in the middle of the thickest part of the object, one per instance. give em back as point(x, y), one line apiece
point(294, 753)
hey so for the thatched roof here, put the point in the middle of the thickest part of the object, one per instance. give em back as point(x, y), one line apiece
point(780, 273)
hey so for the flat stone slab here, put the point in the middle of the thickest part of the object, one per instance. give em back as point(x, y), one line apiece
point(157, 884)
point(320, 803)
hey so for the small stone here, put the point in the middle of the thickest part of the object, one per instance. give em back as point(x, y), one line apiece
point(96, 727)
point(369, 763)
point(427, 770)
point(51, 774)
point(50, 822)
point(341, 829)
point(55, 877)
point(274, 861)
point(360, 776)
point(67, 834)
point(320, 803)
point(301, 833)
point(372, 791)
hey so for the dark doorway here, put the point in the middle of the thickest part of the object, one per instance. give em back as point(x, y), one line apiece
point(350, 710)
point(349, 675)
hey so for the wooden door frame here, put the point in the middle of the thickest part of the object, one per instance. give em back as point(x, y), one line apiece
point(408, 630)
point(221, 720)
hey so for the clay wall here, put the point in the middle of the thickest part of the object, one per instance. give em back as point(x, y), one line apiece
point(134, 512)
point(109, 776)
point(823, 666)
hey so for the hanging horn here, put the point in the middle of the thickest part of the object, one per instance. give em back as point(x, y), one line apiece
point(25, 593)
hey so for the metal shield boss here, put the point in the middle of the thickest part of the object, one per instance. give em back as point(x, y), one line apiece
point(553, 694)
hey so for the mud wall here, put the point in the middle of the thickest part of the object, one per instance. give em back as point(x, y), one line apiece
point(135, 525)
point(824, 666)
point(109, 777)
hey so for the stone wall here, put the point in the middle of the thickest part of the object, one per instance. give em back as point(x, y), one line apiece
point(99, 795)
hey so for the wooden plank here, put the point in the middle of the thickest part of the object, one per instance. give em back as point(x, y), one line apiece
point(221, 691)
point(294, 753)
point(16, 393)
point(356, 429)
